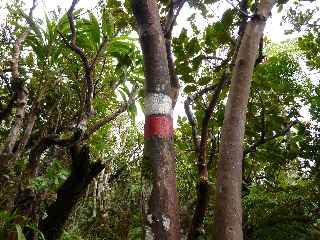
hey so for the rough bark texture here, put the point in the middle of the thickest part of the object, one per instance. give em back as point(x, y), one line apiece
point(153, 46)
point(228, 215)
point(163, 202)
point(159, 153)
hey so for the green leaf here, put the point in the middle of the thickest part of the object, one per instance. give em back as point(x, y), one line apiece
point(20, 233)
point(190, 89)
point(95, 30)
point(227, 18)
point(132, 111)
point(187, 78)
point(183, 68)
point(107, 24)
point(35, 229)
point(119, 47)
point(193, 46)
point(88, 33)
point(204, 80)
point(280, 8)
point(63, 24)
point(51, 32)
point(196, 62)
point(34, 26)
point(37, 46)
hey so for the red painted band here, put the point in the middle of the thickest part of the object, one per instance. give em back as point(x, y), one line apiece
point(158, 125)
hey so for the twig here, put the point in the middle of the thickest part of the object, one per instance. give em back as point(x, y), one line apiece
point(191, 118)
point(103, 121)
point(239, 9)
point(100, 51)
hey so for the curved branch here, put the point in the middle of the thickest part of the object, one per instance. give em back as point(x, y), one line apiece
point(85, 62)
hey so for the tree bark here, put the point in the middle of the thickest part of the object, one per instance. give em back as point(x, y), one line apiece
point(21, 102)
point(70, 192)
point(159, 154)
point(228, 215)
point(203, 184)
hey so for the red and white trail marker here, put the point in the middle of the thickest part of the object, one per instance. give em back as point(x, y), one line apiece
point(158, 112)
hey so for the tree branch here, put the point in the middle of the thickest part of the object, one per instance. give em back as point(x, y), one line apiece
point(21, 98)
point(174, 80)
point(85, 62)
point(54, 139)
point(103, 121)
point(191, 118)
point(100, 51)
point(206, 119)
point(203, 185)
point(239, 9)
point(82, 173)
point(174, 10)
point(170, 20)
point(260, 57)
point(32, 116)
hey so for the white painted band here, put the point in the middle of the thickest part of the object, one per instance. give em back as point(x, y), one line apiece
point(157, 103)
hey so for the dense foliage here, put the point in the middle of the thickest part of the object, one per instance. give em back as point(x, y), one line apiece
point(81, 131)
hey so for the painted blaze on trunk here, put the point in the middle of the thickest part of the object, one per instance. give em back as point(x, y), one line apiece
point(159, 154)
point(158, 149)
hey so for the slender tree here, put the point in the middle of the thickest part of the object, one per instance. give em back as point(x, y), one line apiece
point(228, 215)
point(159, 153)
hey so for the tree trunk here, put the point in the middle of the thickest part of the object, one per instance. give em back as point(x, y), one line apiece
point(228, 215)
point(70, 192)
point(158, 151)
